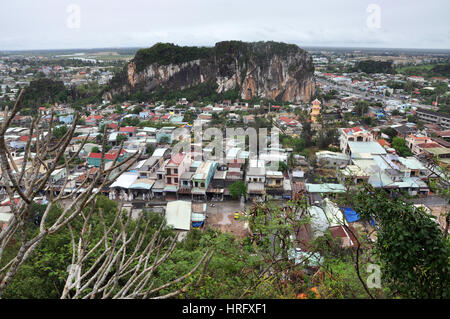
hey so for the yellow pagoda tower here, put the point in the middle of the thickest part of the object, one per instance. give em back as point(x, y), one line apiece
point(315, 110)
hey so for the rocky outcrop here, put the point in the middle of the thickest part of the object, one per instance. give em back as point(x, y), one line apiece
point(271, 70)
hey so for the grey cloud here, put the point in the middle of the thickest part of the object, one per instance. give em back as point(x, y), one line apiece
point(43, 24)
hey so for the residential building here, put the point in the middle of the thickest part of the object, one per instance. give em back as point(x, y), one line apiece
point(255, 179)
point(415, 143)
point(95, 159)
point(354, 134)
point(202, 178)
point(332, 159)
point(177, 165)
point(433, 117)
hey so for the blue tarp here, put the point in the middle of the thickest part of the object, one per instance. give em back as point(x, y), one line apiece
point(350, 215)
point(197, 224)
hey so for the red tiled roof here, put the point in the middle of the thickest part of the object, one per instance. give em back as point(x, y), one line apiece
point(25, 138)
point(7, 203)
point(108, 156)
point(176, 159)
point(383, 142)
point(286, 119)
point(94, 117)
point(353, 129)
point(419, 138)
point(82, 177)
point(429, 145)
point(128, 129)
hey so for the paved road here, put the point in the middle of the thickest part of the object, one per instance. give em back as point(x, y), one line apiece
point(362, 94)
point(226, 207)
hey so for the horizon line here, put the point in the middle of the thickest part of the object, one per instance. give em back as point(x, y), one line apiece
point(304, 46)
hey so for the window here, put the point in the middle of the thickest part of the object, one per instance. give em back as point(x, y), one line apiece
point(175, 170)
point(168, 171)
point(175, 180)
point(169, 180)
point(202, 185)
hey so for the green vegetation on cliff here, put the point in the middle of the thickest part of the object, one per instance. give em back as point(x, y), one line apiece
point(168, 53)
point(223, 60)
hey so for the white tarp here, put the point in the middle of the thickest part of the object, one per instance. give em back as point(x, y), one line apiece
point(319, 221)
point(178, 214)
point(125, 180)
point(333, 213)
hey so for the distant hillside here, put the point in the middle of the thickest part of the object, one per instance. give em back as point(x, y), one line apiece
point(370, 67)
point(43, 91)
point(426, 70)
point(271, 70)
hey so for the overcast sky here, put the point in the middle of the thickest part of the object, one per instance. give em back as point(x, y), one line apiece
point(61, 24)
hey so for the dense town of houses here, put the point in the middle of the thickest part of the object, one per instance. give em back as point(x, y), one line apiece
point(182, 185)
point(15, 75)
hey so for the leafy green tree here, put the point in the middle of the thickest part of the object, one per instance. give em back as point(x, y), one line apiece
point(121, 137)
point(282, 167)
point(99, 138)
point(118, 109)
point(44, 91)
point(371, 66)
point(361, 107)
point(399, 144)
point(58, 132)
point(149, 149)
point(129, 121)
point(389, 131)
point(420, 125)
point(307, 134)
point(238, 189)
point(325, 137)
point(411, 248)
point(137, 109)
point(189, 117)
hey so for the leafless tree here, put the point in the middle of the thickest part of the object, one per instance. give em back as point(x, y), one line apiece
point(25, 183)
point(123, 269)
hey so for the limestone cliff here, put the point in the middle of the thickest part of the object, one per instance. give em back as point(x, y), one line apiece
point(272, 70)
